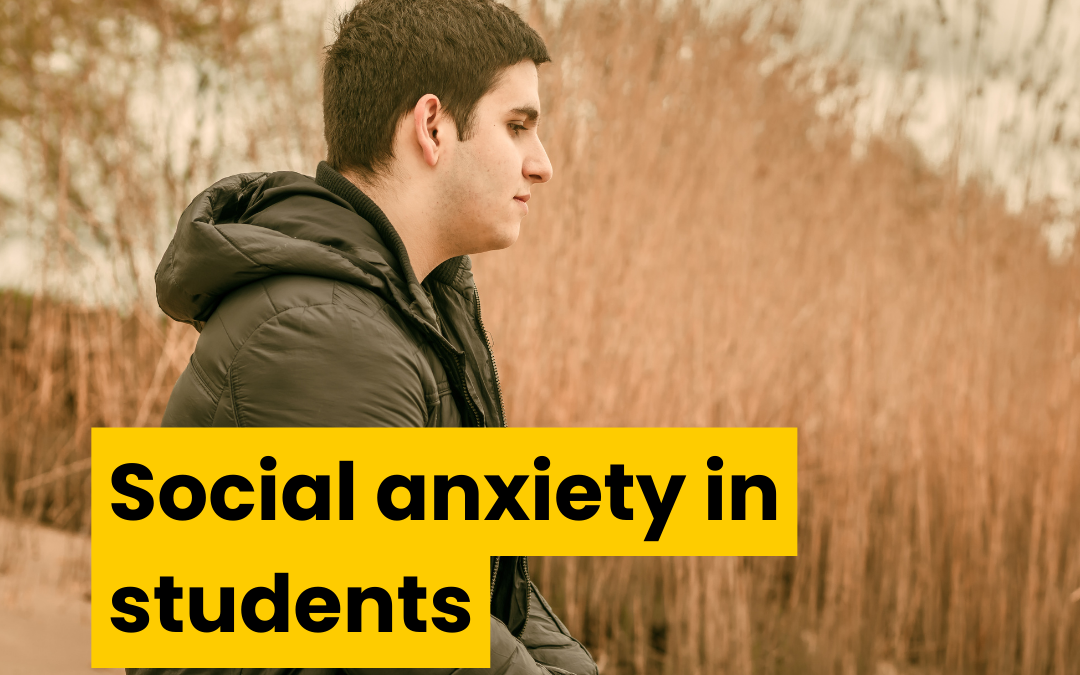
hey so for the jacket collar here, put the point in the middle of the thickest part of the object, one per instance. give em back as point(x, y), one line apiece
point(446, 272)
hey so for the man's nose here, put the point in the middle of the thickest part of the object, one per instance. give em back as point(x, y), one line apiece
point(537, 167)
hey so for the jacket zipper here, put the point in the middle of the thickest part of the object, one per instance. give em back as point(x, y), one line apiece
point(491, 355)
point(528, 593)
point(458, 368)
point(465, 391)
point(528, 589)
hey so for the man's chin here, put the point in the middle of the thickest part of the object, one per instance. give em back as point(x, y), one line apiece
point(502, 238)
point(511, 237)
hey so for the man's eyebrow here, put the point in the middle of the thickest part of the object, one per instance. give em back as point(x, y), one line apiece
point(530, 113)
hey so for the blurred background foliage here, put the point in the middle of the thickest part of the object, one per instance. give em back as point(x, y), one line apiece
point(851, 216)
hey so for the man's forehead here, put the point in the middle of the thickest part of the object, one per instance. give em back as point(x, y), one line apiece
point(516, 91)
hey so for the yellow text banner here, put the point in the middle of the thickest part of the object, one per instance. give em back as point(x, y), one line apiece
point(282, 530)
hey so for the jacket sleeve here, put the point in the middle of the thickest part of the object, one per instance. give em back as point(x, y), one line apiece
point(508, 657)
point(550, 643)
point(326, 365)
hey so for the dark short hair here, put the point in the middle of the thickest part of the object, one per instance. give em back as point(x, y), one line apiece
point(390, 53)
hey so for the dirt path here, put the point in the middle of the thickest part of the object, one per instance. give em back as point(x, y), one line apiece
point(44, 602)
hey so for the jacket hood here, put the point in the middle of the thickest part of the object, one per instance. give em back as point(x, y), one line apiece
point(251, 226)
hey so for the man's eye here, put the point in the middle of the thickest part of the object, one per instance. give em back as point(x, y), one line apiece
point(517, 128)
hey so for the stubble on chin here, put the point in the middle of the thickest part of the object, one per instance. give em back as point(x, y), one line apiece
point(475, 227)
point(508, 236)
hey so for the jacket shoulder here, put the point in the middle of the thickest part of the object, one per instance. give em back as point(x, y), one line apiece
point(279, 316)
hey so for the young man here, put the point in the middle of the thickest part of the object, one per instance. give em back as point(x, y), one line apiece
point(347, 299)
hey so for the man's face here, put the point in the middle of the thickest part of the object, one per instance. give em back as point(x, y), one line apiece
point(488, 179)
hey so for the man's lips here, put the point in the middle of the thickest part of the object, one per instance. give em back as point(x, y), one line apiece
point(522, 199)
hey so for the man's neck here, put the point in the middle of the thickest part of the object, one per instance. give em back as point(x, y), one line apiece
point(412, 217)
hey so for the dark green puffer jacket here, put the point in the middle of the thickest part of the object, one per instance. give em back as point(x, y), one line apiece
point(310, 315)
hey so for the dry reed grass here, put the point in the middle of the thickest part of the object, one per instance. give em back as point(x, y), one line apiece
point(64, 370)
point(710, 253)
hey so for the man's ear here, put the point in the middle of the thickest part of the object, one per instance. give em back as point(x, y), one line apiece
point(431, 127)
